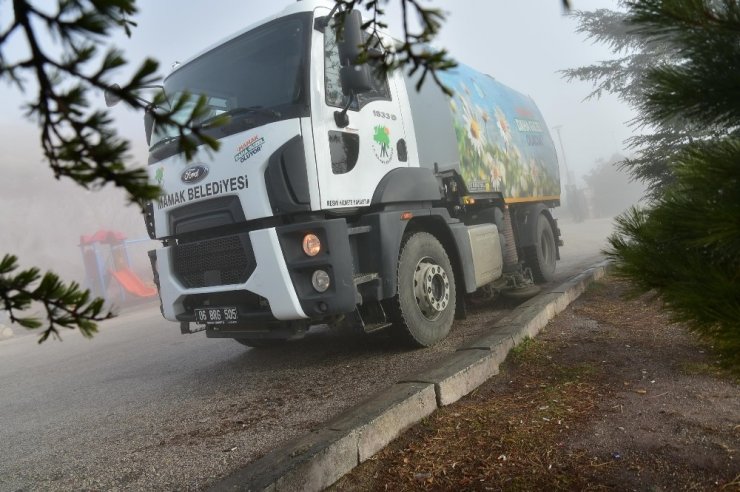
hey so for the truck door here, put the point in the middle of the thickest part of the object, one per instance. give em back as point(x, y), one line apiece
point(351, 161)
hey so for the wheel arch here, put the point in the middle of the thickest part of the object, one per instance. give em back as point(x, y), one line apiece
point(437, 226)
point(526, 225)
point(407, 184)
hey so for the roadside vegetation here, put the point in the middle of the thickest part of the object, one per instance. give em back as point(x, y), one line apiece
point(676, 65)
point(607, 397)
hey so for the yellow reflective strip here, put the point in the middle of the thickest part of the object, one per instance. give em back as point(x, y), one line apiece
point(532, 199)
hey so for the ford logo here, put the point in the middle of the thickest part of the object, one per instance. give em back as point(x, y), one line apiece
point(193, 174)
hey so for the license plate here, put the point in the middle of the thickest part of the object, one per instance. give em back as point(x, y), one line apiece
point(217, 315)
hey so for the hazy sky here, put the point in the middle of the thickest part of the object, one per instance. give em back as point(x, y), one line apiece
point(521, 43)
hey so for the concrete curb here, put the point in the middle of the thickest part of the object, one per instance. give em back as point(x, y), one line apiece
point(318, 459)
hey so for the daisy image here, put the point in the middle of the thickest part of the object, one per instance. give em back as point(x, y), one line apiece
point(486, 118)
point(504, 128)
point(498, 174)
point(473, 128)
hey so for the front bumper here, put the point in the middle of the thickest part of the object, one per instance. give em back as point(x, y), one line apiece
point(264, 273)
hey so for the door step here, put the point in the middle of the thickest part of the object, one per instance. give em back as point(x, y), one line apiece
point(363, 278)
point(373, 327)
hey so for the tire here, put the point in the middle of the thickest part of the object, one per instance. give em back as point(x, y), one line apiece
point(541, 256)
point(425, 296)
point(261, 342)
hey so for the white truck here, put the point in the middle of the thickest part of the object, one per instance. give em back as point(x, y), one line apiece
point(340, 196)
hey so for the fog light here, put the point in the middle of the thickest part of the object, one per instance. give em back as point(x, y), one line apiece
point(320, 280)
point(311, 244)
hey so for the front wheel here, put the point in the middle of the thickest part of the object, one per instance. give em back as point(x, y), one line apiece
point(541, 256)
point(425, 298)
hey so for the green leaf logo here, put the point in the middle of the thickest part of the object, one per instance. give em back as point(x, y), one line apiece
point(382, 137)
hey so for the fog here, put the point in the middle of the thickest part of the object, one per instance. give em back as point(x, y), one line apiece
point(523, 44)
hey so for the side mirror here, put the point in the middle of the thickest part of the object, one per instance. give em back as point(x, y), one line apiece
point(349, 44)
point(112, 99)
point(356, 79)
point(148, 125)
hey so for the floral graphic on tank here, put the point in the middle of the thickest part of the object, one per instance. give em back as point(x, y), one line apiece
point(503, 142)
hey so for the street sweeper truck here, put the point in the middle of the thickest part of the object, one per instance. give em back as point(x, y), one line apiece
point(341, 196)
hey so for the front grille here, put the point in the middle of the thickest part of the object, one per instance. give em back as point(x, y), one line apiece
point(219, 261)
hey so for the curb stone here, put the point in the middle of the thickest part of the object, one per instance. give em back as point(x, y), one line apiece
point(459, 374)
point(312, 462)
point(316, 460)
point(382, 418)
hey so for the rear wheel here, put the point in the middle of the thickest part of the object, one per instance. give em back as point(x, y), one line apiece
point(541, 256)
point(426, 293)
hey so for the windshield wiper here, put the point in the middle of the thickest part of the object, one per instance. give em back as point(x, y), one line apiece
point(239, 112)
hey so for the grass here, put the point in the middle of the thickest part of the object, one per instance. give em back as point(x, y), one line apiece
point(528, 349)
point(596, 288)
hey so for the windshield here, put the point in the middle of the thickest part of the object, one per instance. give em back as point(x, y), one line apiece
point(258, 77)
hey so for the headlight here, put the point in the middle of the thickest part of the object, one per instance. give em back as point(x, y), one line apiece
point(311, 244)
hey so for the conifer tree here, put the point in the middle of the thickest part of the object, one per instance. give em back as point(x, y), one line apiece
point(636, 52)
point(685, 246)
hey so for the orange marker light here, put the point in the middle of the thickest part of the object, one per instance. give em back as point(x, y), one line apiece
point(311, 244)
point(407, 216)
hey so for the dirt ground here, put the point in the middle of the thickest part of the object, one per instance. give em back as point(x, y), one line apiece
point(608, 397)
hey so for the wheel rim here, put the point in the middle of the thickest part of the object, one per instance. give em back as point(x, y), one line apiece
point(431, 288)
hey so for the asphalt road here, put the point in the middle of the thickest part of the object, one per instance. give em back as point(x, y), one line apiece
point(142, 407)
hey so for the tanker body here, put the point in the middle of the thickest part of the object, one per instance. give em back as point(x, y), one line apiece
point(493, 143)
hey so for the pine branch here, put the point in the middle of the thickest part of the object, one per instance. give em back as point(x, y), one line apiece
point(413, 51)
point(81, 144)
point(650, 66)
point(706, 38)
point(65, 305)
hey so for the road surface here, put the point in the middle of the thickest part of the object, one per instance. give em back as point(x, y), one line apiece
point(142, 407)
